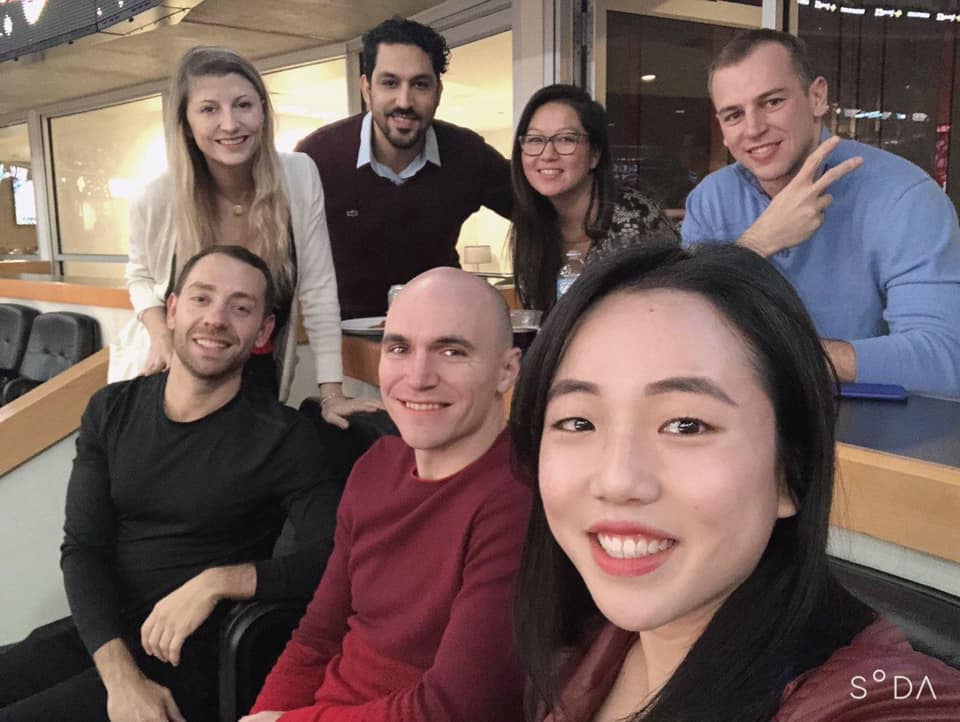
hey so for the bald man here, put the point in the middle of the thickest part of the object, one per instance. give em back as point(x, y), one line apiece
point(412, 620)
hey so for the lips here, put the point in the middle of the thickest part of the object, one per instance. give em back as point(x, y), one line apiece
point(231, 142)
point(424, 405)
point(763, 152)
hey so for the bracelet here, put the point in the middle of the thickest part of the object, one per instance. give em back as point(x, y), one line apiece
point(328, 397)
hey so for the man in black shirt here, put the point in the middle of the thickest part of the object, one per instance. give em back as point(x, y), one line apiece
point(179, 488)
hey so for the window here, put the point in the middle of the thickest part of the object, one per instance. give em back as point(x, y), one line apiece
point(18, 215)
point(101, 160)
point(307, 98)
point(478, 94)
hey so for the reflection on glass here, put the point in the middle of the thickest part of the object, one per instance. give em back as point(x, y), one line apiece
point(93, 269)
point(307, 98)
point(663, 135)
point(101, 160)
point(18, 222)
point(478, 94)
point(890, 77)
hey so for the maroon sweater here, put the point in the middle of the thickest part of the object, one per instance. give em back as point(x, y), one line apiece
point(383, 233)
point(412, 619)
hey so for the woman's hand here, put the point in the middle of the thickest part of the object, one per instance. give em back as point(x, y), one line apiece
point(161, 340)
point(335, 407)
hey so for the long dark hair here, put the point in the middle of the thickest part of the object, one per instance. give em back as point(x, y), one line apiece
point(535, 235)
point(790, 614)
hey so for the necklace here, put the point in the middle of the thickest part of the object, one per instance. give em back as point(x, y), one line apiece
point(237, 209)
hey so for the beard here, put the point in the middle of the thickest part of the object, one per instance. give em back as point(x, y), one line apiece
point(210, 372)
point(401, 142)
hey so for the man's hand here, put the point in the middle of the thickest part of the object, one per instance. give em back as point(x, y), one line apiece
point(796, 212)
point(142, 700)
point(262, 717)
point(177, 615)
point(844, 358)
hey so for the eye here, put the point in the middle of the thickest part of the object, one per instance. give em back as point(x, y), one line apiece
point(396, 348)
point(732, 117)
point(388, 82)
point(567, 139)
point(198, 298)
point(774, 102)
point(686, 426)
point(574, 424)
point(454, 352)
point(422, 85)
point(242, 310)
point(207, 109)
point(245, 104)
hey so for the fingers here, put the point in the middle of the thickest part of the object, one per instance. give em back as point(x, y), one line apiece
point(173, 649)
point(816, 158)
point(824, 201)
point(836, 173)
point(335, 419)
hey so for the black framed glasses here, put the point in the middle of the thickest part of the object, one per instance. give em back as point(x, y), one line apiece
point(563, 143)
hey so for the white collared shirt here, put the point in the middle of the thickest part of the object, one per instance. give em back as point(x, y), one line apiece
point(430, 152)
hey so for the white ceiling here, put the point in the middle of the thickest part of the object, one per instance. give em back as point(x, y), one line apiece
point(256, 28)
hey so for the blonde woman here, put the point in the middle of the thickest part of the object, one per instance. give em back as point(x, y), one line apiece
point(228, 184)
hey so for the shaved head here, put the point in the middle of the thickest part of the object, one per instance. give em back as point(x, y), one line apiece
point(474, 295)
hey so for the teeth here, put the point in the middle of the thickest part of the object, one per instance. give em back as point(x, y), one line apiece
point(620, 547)
point(208, 343)
point(550, 171)
point(422, 407)
point(231, 141)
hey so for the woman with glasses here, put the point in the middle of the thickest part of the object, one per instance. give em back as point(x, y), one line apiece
point(564, 193)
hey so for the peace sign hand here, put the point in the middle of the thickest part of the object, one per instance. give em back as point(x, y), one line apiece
point(796, 212)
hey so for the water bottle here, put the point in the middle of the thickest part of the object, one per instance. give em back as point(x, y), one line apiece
point(569, 272)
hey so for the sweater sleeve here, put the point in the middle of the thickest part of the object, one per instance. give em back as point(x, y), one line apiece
point(475, 676)
point(139, 277)
point(497, 191)
point(299, 671)
point(317, 279)
point(310, 505)
point(919, 273)
point(86, 556)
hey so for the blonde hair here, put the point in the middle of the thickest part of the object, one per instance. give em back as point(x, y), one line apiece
point(194, 200)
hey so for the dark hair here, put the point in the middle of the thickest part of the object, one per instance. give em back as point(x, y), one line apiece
point(790, 614)
point(238, 253)
point(746, 41)
point(535, 238)
point(400, 31)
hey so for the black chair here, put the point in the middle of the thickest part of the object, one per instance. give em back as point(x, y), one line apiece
point(58, 340)
point(929, 618)
point(15, 324)
point(254, 633)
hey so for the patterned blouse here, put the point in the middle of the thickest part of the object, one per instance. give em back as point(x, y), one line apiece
point(636, 219)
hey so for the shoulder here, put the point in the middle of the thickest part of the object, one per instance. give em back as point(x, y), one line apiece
point(155, 196)
point(260, 410)
point(877, 677)
point(113, 403)
point(495, 485)
point(456, 135)
point(387, 456)
point(719, 182)
point(326, 139)
point(882, 172)
point(298, 166)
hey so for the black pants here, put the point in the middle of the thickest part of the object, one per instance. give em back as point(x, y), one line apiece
point(50, 677)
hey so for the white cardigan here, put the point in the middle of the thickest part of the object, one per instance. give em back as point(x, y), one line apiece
point(152, 247)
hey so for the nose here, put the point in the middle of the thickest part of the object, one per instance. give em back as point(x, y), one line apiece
point(756, 122)
point(627, 471)
point(404, 96)
point(550, 150)
point(422, 373)
point(229, 120)
point(216, 315)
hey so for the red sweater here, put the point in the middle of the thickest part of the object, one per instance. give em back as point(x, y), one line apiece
point(412, 619)
point(382, 233)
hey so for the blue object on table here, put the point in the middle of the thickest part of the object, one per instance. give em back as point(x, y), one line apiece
point(880, 392)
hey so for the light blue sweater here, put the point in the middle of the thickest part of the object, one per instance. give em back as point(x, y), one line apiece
point(882, 272)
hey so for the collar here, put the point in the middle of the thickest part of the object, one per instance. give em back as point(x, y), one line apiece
point(752, 180)
point(429, 153)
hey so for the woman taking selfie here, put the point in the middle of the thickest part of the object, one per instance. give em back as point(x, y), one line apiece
point(228, 185)
point(676, 418)
point(565, 196)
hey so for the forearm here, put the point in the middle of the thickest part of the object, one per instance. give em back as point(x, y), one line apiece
point(155, 321)
point(238, 581)
point(116, 665)
point(844, 358)
point(920, 361)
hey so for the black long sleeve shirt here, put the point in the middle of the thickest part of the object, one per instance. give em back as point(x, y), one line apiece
point(151, 502)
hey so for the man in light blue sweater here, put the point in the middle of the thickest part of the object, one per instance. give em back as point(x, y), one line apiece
point(876, 260)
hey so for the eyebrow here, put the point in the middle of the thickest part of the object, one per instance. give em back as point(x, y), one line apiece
point(689, 385)
point(201, 286)
point(761, 97)
point(454, 340)
point(571, 386)
point(567, 129)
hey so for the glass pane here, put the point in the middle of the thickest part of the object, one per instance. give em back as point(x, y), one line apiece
point(478, 94)
point(102, 159)
point(890, 76)
point(307, 98)
point(18, 215)
point(663, 135)
point(93, 269)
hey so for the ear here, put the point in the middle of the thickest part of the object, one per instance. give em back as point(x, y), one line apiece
point(509, 370)
point(786, 505)
point(365, 90)
point(594, 158)
point(817, 95)
point(171, 309)
point(439, 89)
point(266, 328)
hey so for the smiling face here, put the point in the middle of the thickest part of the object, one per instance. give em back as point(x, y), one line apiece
point(445, 364)
point(218, 318)
point(561, 178)
point(658, 468)
point(225, 117)
point(402, 93)
point(769, 120)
